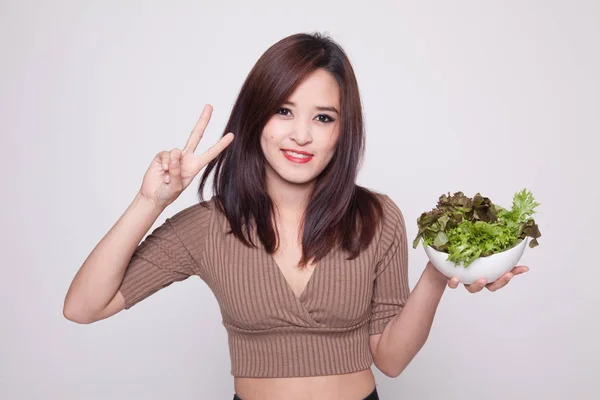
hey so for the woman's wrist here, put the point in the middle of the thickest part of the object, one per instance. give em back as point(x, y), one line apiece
point(433, 276)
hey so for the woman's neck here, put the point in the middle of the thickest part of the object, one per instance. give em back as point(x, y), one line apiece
point(290, 200)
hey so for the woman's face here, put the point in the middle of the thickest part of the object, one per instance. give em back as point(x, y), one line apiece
point(299, 140)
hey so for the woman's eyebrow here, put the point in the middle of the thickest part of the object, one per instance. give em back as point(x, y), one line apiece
point(320, 108)
point(333, 109)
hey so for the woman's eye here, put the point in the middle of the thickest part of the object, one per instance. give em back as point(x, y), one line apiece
point(321, 117)
point(326, 118)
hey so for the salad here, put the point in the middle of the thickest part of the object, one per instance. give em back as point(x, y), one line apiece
point(468, 228)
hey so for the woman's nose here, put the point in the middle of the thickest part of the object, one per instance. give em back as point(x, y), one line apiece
point(301, 133)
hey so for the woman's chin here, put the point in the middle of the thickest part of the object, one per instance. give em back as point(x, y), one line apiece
point(297, 179)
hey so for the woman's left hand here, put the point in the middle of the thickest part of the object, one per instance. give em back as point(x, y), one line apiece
point(478, 285)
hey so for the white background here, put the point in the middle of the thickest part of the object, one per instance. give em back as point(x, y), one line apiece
point(477, 96)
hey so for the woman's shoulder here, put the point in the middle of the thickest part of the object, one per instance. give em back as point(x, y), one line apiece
point(198, 215)
point(392, 230)
point(390, 209)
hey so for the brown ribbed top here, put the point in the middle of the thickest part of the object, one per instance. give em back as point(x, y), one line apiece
point(273, 333)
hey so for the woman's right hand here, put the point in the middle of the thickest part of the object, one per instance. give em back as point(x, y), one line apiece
point(172, 171)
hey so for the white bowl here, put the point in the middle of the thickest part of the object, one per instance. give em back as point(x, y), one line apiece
point(491, 267)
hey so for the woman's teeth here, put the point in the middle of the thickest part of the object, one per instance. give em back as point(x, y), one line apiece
point(297, 155)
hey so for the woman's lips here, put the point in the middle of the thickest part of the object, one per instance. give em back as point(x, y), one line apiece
point(297, 157)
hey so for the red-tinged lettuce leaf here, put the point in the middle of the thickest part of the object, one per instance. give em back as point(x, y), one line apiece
point(483, 209)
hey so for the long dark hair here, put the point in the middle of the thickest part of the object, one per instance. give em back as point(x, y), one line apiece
point(339, 212)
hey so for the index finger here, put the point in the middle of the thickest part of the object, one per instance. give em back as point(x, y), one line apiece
point(199, 129)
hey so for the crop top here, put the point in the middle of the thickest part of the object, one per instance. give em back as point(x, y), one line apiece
point(271, 332)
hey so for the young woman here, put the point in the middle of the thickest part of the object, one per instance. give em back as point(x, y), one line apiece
point(309, 269)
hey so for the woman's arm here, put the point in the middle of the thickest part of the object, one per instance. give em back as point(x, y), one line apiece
point(406, 333)
point(96, 290)
point(93, 294)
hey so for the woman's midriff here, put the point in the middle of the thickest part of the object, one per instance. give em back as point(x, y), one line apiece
point(352, 386)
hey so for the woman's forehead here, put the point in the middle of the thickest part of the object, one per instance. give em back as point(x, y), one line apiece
point(317, 90)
